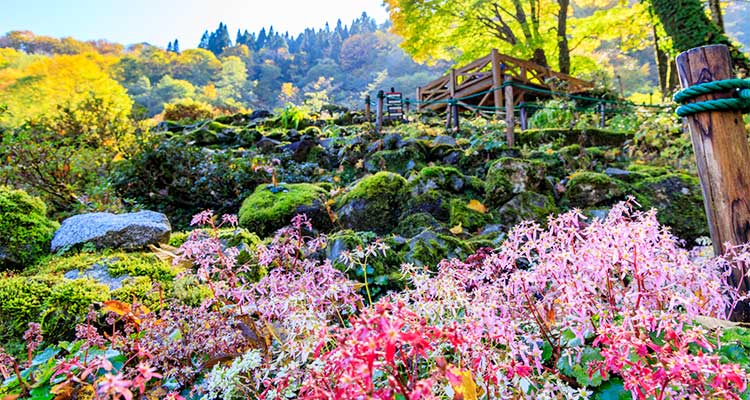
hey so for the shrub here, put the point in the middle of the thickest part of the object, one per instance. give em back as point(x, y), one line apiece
point(26, 230)
point(187, 111)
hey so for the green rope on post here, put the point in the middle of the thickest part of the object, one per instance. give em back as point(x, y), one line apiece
point(740, 103)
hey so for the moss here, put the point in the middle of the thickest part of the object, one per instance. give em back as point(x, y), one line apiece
point(527, 206)
point(429, 248)
point(402, 161)
point(327, 186)
point(588, 189)
point(374, 203)
point(416, 223)
point(141, 289)
point(678, 201)
point(25, 230)
point(469, 219)
point(265, 211)
point(508, 176)
point(58, 304)
point(383, 271)
point(587, 137)
point(189, 291)
point(216, 126)
point(448, 179)
point(118, 263)
point(433, 202)
point(177, 239)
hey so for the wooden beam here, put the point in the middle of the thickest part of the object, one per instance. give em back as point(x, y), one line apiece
point(510, 120)
point(722, 154)
point(497, 81)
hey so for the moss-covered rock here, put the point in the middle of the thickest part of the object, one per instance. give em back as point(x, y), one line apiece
point(416, 223)
point(587, 189)
point(402, 161)
point(447, 179)
point(373, 204)
point(507, 177)
point(468, 218)
point(679, 203)
point(429, 248)
point(383, 271)
point(270, 208)
point(25, 230)
point(526, 206)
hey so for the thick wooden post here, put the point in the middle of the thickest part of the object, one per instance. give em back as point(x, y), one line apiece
point(510, 119)
point(367, 108)
point(449, 114)
point(407, 105)
point(379, 112)
point(497, 82)
point(602, 114)
point(419, 99)
point(723, 158)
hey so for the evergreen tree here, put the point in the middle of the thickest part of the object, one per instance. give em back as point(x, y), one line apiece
point(219, 40)
point(204, 41)
point(176, 46)
point(169, 47)
point(240, 38)
point(260, 42)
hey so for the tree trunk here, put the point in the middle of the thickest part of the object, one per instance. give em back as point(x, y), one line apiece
point(716, 16)
point(662, 64)
point(686, 22)
point(562, 37)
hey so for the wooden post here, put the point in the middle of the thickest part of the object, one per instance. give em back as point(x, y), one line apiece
point(510, 120)
point(367, 108)
point(456, 125)
point(419, 99)
point(407, 103)
point(524, 117)
point(379, 112)
point(602, 114)
point(723, 156)
point(449, 114)
point(497, 82)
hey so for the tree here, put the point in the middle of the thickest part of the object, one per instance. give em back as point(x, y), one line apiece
point(198, 66)
point(219, 39)
point(176, 47)
point(204, 41)
point(688, 26)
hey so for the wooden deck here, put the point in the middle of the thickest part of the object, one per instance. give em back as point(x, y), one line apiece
point(482, 82)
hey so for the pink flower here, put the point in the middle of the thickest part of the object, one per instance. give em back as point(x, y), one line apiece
point(114, 386)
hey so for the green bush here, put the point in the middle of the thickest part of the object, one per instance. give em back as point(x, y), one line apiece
point(187, 111)
point(25, 231)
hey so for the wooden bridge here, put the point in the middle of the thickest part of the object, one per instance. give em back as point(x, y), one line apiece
point(497, 83)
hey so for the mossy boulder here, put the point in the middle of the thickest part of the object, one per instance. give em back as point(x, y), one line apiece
point(587, 189)
point(467, 217)
point(416, 223)
point(25, 230)
point(431, 190)
point(526, 206)
point(678, 201)
point(429, 248)
point(402, 161)
point(373, 204)
point(383, 270)
point(271, 208)
point(508, 177)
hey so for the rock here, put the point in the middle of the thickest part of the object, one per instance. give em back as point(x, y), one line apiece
point(416, 223)
point(100, 274)
point(257, 114)
point(267, 145)
point(373, 204)
point(678, 201)
point(301, 148)
point(402, 161)
point(429, 248)
point(469, 219)
point(444, 140)
point(590, 189)
point(526, 206)
point(508, 177)
point(271, 208)
point(617, 173)
point(118, 231)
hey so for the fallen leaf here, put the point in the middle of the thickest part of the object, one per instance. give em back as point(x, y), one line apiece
point(457, 230)
point(467, 388)
point(477, 206)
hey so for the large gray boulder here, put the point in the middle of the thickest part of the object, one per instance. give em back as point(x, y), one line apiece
point(119, 231)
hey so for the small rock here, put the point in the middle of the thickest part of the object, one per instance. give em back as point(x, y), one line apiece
point(118, 231)
point(616, 172)
point(267, 145)
point(99, 273)
point(444, 140)
point(260, 114)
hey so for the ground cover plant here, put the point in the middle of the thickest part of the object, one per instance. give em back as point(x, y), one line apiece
point(583, 308)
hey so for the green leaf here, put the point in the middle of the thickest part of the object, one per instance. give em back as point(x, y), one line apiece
point(734, 353)
point(612, 390)
point(740, 335)
point(41, 393)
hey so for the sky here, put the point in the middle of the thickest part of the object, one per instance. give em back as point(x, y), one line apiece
point(161, 21)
